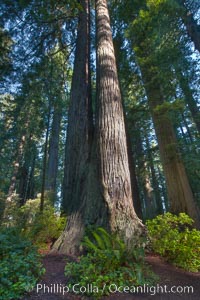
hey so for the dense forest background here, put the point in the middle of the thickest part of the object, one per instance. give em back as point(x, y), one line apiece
point(99, 147)
point(47, 79)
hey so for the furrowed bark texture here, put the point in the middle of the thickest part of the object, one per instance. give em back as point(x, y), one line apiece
point(111, 136)
point(78, 141)
point(79, 123)
point(98, 193)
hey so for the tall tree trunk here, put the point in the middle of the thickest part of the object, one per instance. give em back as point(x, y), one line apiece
point(188, 129)
point(155, 182)
point(79, 120)
point(30, 193)
point(13, 183)
point(52, 164)
point(149, 209)
point(104, 196)
point(23, 182)
point(17, 165)
point(148, 194)
point(137, 204)
point(134, 181)
point(44, 167)
point(78, 143)
point(192, 27)
point(113, 165)
point(179, 191)
point(26, 173)
point(189, 99)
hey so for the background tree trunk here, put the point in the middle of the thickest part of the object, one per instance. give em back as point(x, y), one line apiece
point(44, 164)
point(156, 191)
point(189, 99)
point(17, 164)
point(192, 27)
point(179, 191)
point(52, 165)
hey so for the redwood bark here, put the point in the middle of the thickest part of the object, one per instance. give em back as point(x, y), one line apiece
point(113, 164)
point(149, 208)
point(78, 143)
point(79, 120)
point(98, 193)
point(179, 191)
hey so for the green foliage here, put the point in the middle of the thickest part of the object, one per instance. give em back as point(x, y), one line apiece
point(20, 265)
point(166, 107)
point(5, 49)
point(41, 228)
point(172, 237)
point(108, 261)
point(46, 226)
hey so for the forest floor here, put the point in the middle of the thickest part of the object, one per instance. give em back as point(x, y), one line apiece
point(169, 276)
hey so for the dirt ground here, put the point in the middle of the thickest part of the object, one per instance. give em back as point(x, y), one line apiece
point(169, 277)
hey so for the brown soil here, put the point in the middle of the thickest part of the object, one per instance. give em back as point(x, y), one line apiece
point(169, 276)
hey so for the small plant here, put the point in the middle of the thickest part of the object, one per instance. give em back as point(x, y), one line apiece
point(108, 261)
point(20, 265)
point(172, 237)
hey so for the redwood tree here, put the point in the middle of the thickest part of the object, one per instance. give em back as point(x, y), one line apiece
point(112, 151)
point(105, 198)
point(78, 141)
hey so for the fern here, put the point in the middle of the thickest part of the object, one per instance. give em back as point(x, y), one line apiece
point(99, 240)
point(106, 237)
point(107, 261)
point(89, 245)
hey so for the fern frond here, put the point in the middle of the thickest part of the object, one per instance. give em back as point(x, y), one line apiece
point(106, 237)
point(89, 245)
point(99, 240)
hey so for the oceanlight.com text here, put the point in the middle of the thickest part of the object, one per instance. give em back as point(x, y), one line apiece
point(112, 289)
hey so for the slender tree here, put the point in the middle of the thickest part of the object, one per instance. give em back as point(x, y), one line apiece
point(52, 164)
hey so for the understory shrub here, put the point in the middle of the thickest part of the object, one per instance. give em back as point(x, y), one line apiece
point(174, 238)
point(20, 265)
point(108, 262)
point(41, 228)
point(45, 227)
